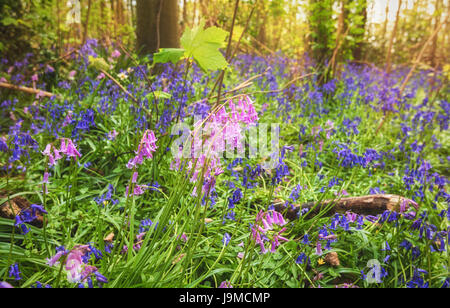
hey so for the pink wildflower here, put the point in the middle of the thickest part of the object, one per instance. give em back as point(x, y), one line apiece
point(137, 191)
point(319, 248)
point(146, 147)
point(67, 119)
point(226, 285)
point(74, 265)
point(68, 148)
point(134, 178)
point(264, 230)
point(72, 74)
point(112, 135)
point(46, 175)
point(5, 285)
point(115, 54)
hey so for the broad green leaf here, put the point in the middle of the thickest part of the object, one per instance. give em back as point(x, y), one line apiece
point(203, 45)
point(168, 54)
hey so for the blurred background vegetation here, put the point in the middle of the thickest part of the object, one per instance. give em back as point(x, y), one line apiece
point(369, 31)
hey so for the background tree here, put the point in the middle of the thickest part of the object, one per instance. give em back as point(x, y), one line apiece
point(391, 41)
point(157, 25)
point(322, 29)
point(359, 28)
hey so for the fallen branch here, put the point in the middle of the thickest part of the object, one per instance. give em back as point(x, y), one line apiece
point(27, 90)
point(248, 83)
point(286, 85)
point(62, 58)
point(262, 45)
point(134, 99)
point(241, 86)
point(364, 205)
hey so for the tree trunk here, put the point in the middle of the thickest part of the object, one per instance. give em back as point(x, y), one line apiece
point(194, 14)
point(437, 21)
point(157, 25)
point(185, 21)
point(86, 23)
point(391, 41)
point(320, 23)
point(358, 50)
point(383, 36)
point(262, 17)
point(342, 27)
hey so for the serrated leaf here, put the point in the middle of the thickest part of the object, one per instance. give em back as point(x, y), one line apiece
point(168, 55)
point(203, 45)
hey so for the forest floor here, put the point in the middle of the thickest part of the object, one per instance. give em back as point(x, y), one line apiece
point(286, 217)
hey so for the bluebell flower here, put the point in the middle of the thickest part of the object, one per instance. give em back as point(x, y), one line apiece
point(301, 259)
point(236, 197)
point(14, 272)
point(226, 239)
point(306, 240)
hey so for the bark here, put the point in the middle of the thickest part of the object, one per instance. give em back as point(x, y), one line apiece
point(321, 23)
point(341, 30)
point(185, 19)
point(262, 17)
point(391, 41)
point(157, 25)
point(26, 89)
point(86, 23)
point(194, 14)
point(437, 21)
point(358, 50)
point(383, 36)
point(131, 9)
point(15, 206)
point(364, 205)
point(113, 17)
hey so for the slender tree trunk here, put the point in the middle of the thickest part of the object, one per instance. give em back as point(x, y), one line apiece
point(132, 13)
point(321, 23)
point(113, 17)
point(262, 17)
point(86, 23)
point(185, 19)
point(341, 29)
point(58, 14)
point(358, 50)
point(434, 59)
point(383, 36)
point(194, 14)
point(391, 41)
point(157, 25)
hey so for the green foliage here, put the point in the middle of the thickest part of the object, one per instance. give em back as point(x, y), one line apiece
point(322, 29)
point(26, 27)
point(166, 55)
point(98, 63)
point(200, 44)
